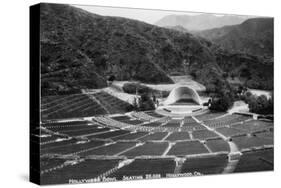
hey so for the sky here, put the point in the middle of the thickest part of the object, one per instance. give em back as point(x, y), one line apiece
point(148, 16)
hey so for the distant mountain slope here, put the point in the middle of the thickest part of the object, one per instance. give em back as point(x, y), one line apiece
point(249, 70)
point(254, 36)
point(200, 22)
point(178, 28)
point(80, 50)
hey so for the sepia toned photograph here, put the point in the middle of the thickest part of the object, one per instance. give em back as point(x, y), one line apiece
point(134, 94)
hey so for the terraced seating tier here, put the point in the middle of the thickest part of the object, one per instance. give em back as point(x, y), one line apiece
point(154, 114)
point(172, 124)
point(82, 170)
point(72, 148)
point(72, 106)
point(187, 120)
point(154, 136)
point(226, 120)
point(153, 124)
point(209, 116)
point(204, 134)
point(131, 136)
point(230, 132)
point(70, 127)
point(205, 165)
point(61, 143)
point(110, 150)
point(84, 131)
point(49, 138)
point(48, 163)
point(64, 124)
point(218, 145)
point(192, 126)
point(113, 104)
point(121, 118)
point(245, 142)
point(187, 148)
point(143, 116)
point(178, 136)
point(109, 135)
point(148, 149)
point(254, 125)
point(260, 160)
point(132, 121)
point(266, 134)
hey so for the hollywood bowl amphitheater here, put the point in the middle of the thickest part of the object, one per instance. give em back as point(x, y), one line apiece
point(92, 136)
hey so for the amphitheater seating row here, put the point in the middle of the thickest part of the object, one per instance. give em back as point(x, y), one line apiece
point(72, 146)
point(175, 136)
point(143, 116)
point(192, 127)
point(65, 123)
point(226, 120)
point(209, 116)
point(108, 135)
point(80, 170)
point(204, 134)
point(70, 107)
point(187, 148)
point(147, 149)
point(121, 117)
point(154, 114)
point(231, 132)
point(49, 101)
point(205, 165)
point(249, 142)
point(218, 145)
point(254, 126)
point(188, 119)
point(109, 150)
point(154, 136)
point(112, 104)
point(259, 160)
point(81, 105)
point(265, 134)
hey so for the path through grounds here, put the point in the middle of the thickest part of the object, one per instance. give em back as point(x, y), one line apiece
point(234, 154)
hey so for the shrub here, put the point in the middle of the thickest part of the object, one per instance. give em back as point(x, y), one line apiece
point(260, 104)
point(146, 103)
point(222, 104)
point(223, 94)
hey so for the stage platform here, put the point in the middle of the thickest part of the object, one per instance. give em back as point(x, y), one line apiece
point(181, 110)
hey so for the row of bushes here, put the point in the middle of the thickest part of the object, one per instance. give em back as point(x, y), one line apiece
point(135, 87)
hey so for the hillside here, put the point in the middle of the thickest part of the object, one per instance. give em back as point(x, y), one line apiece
point(245, 69)
point(80, 50)
point(199, 22)
point(254, 36)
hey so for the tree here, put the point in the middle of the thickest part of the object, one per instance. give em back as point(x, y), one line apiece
point(224, 97)
point(260, 104)
point(223, 103)
point(146, 103)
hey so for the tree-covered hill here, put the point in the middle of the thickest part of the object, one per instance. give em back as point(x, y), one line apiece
point(80, 50)
point(253, 36)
